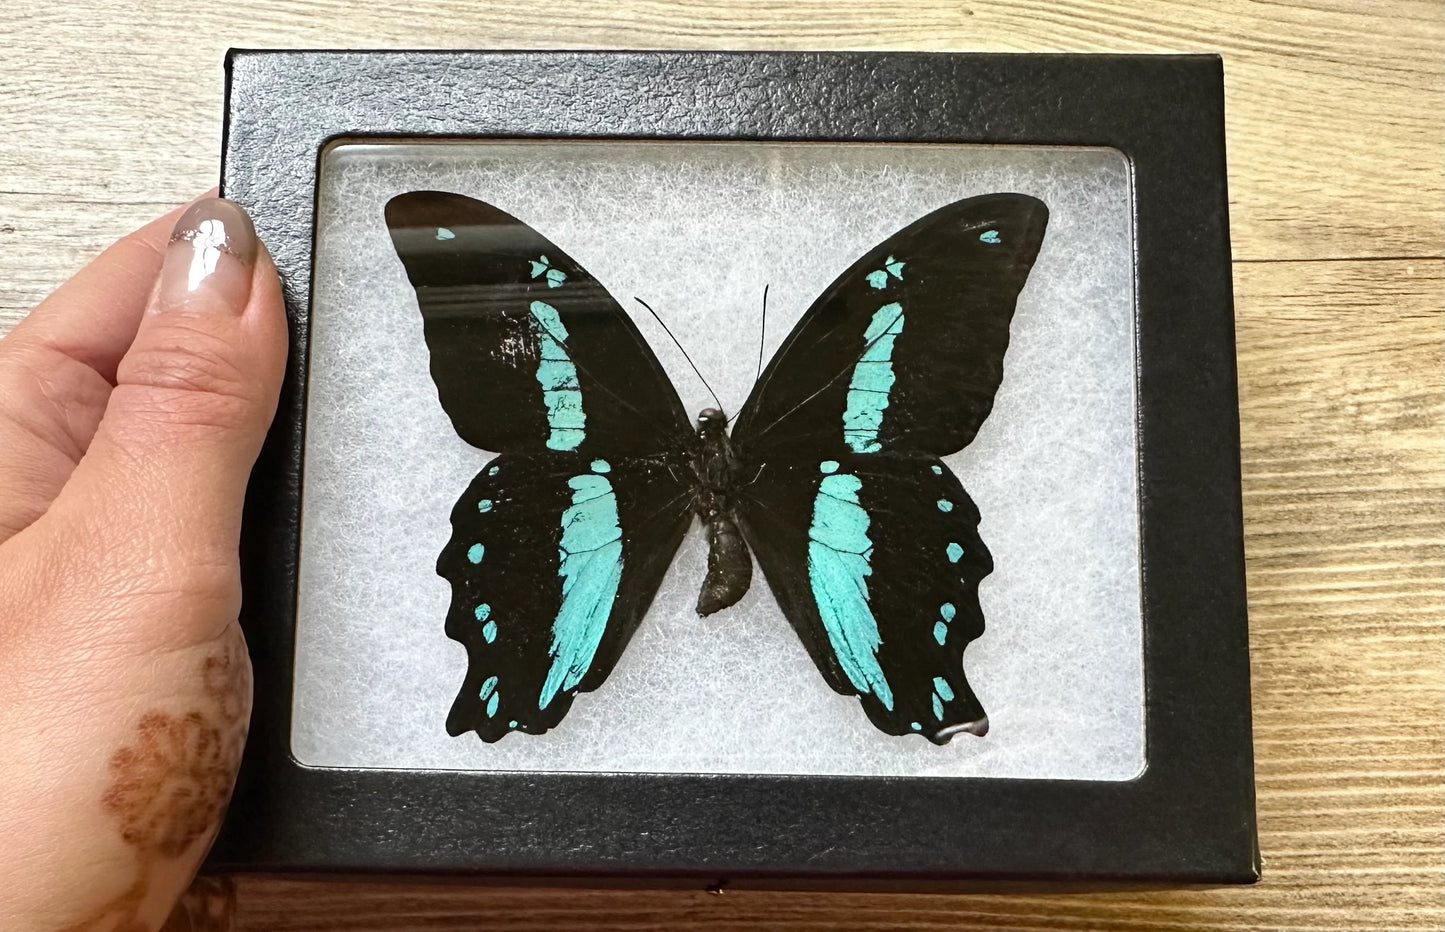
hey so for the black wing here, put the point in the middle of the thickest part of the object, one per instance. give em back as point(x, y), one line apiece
point(559, 544)
point(528, 351)
point(905, 350)
point(553, 561)
point(876, 561)
point(868, 541)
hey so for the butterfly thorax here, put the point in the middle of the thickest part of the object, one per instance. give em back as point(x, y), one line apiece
point(729, 564)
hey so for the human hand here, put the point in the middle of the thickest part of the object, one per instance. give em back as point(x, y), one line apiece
point(133, 403)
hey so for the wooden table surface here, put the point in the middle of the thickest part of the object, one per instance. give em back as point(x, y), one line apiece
point(110, 113)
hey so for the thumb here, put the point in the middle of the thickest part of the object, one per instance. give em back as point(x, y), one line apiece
point(193, 398)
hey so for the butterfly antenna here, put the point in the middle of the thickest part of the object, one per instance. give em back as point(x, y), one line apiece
point(828, 384)
point(676, 343)
point(762, 335)
point(762, 342)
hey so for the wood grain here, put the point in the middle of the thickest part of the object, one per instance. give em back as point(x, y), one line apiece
point(111, 113)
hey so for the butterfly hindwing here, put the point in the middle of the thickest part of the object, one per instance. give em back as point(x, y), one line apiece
point(554, 559)
point(904, 351)
point(528, 351)
point(876, 560)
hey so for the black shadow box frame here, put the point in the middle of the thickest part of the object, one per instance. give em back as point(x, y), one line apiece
point(1189, 818)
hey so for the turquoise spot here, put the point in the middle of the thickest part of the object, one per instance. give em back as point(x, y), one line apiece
point(541, 266)
point(483, 612)
point(879, 278)
point(474, 553)
point(493, 470)
point(556, 373)
point(940, 632)
point(485, 505)
point(492, 704)
point(989, 236)
point(512, 723)
point(444, 234)
point(839, 551)
point(940, 686)
point(937, 470)
point(872, 381)
point(487, 688)
point(489, 631)
point(947, 611)
point(944, 505)
point(915, 726)
point(955, 552)
point(590, 572)
point(601, 466)
point(828, 466)
point(937, 708)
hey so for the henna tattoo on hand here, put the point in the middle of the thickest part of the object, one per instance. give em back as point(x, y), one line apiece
point(170, 786)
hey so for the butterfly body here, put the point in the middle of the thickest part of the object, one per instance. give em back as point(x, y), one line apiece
point(831, 476)
point(729, 564)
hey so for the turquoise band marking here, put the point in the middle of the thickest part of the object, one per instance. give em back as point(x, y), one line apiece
point(947, 611)
point(444, 234)
point(474, 553)
point(601, 466)
point(955, 552)
point(940, 686)
point(937, 470)
point(493, 470)
point(483, 612)
point(872, 381)
point(828, 466)
point(489, 631)
point(485, 505)
point(937, 708)
point(839, 551)
point(940, 632)
point(487, 688)
point(556, 373)
point(944, 505)
point(590, 571)
point(492, 704)
point(989, 236)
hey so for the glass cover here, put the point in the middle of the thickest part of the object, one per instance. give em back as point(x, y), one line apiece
point(697, 230)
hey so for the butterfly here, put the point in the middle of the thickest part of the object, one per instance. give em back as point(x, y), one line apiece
point(831, 474)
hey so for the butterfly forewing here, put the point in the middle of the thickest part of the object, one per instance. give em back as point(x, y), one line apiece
point(904, 351)
point(528, 351)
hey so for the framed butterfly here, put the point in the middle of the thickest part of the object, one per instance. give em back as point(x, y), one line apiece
point(831, 475)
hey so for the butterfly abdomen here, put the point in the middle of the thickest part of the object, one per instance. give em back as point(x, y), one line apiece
point(729, 562)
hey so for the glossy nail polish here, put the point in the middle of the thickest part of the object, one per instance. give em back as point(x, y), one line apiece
point(209, 260)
